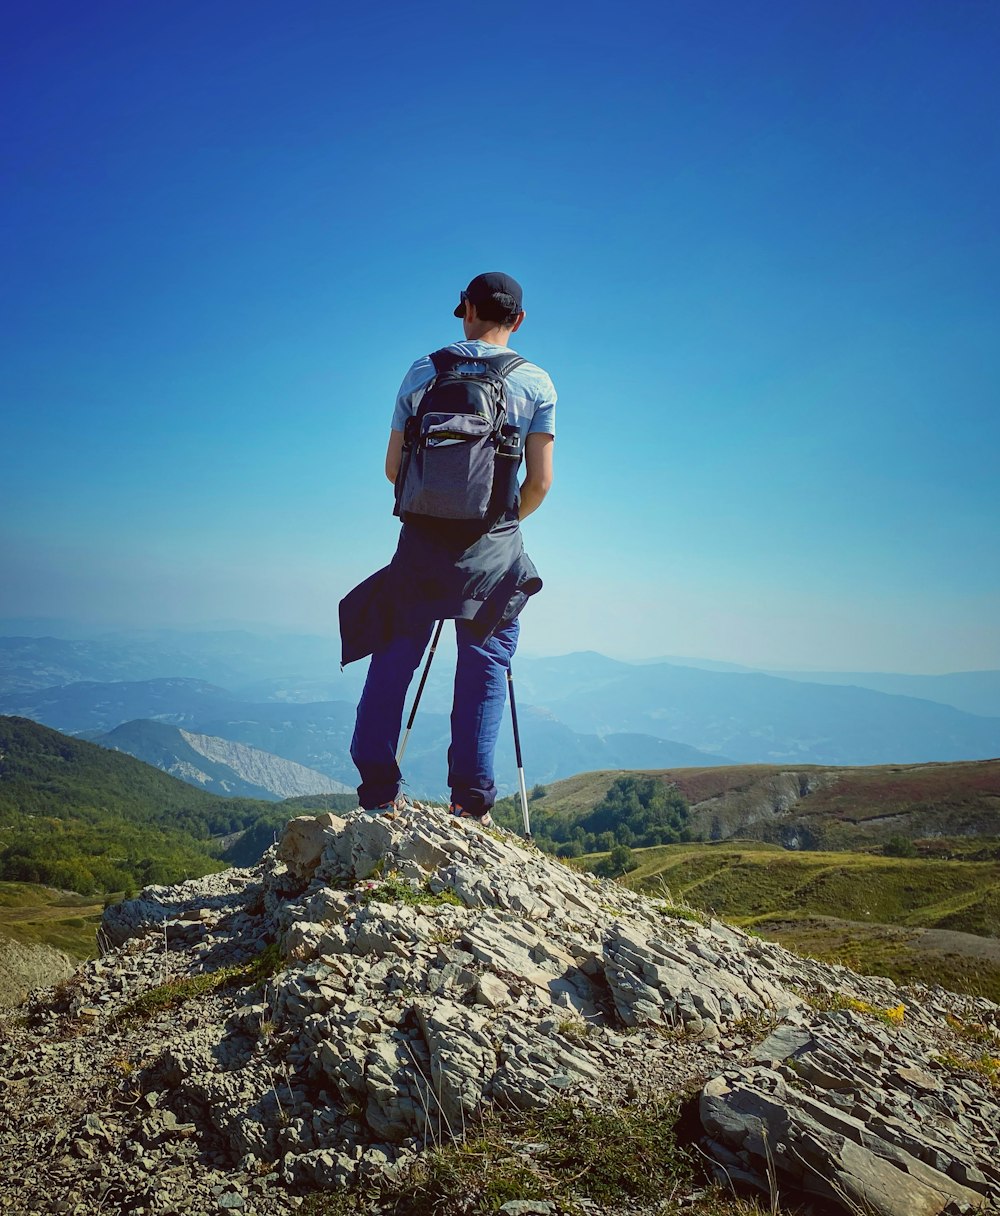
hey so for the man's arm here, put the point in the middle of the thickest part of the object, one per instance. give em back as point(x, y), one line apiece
point(537, 472)
point(393, 455)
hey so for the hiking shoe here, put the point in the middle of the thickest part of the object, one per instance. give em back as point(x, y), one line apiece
point(483, 820)
point(398, 805)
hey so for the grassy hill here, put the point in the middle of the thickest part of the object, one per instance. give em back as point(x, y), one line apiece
point(36, 915)
point(936, 921)
point(79, 817)
point(810, 806)
point(748, 883)
point(934, 917)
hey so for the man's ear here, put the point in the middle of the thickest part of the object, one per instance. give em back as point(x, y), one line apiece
point(517, 324)
point(470, 311)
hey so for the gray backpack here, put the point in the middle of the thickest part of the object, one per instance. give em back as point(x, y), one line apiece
point(460, 455)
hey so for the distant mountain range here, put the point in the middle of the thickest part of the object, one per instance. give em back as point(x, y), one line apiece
point(579, 711)
point(226, 657)
point(315, 735)
point(217, 764)
point(755, 718)
point(302, 667)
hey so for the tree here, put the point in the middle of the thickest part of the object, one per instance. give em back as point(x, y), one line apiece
point(619, 861)
point(899, 846)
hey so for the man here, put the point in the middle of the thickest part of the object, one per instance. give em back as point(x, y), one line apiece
point(478, 575)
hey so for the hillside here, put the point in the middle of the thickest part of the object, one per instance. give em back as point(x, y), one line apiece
point(80, 817)
point(44, 933)
point(813, 806)
point(907, 918)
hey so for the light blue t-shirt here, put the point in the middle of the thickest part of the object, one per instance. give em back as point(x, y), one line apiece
point(531, 395)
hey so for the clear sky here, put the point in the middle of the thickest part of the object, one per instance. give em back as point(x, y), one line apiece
point(759, 247)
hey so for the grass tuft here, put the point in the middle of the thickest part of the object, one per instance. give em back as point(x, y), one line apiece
point(892, 1015)
point(563, 1153)
point(572, 1155)
point(575, 1029)
point(394, 889)
point(985, 1065)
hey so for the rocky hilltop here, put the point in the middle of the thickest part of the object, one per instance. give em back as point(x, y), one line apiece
point(376, 984)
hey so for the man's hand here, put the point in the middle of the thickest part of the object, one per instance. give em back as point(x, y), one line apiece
point(537, 472)
point(394, 455)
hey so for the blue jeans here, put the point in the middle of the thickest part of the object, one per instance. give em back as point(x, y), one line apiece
point(477, 710)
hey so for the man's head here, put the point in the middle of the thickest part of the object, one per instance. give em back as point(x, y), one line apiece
point(491, 301)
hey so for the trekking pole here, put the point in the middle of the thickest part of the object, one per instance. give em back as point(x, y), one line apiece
point(517, 754)
point(416, 699)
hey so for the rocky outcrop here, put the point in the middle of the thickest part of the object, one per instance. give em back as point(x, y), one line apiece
point(430, 970)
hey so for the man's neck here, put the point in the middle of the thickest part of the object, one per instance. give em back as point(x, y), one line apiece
point(483, 331)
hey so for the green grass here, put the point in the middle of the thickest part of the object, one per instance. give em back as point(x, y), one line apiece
point(885, 950)
point(393, 889)
point(764, 880)
point(985, 1065)
point(560, 1153)
point(85, 818)
point(42, 916)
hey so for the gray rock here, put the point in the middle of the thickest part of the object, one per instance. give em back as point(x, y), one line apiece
point(303, 841)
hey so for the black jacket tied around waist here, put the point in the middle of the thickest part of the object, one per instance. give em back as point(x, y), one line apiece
point(440, 570)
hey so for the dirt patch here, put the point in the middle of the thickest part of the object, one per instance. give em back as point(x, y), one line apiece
point(947, 941)
point(961, 962)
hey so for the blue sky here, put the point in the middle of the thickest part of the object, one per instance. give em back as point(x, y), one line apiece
point(759, 247)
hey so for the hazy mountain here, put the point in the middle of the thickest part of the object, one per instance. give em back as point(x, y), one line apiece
point(216, 764)
point(319, 735)
point(754, 717)
point(300, 690)
point(270, 665)
point(228, 657)
point(101, 706)
point(40, 663)
point(677, 660)
point(586, 703)
point(975, 692)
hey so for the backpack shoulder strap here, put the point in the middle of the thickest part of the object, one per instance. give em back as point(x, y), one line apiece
point(503, 365)
point(445, 359)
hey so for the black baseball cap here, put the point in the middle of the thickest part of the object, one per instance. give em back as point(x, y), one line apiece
point(484, 286)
